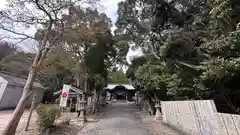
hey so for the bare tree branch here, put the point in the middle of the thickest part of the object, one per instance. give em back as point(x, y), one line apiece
point(30, 20)
point(20, 41)
point(16, 33)
point(47, 48)
point(43, 9)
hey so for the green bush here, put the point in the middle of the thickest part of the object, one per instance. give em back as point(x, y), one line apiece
point(47, 114)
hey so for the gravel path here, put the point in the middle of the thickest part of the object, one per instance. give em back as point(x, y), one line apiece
point(157, 127)
point(119, 119)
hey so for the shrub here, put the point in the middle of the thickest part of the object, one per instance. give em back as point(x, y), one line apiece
point(47, 114)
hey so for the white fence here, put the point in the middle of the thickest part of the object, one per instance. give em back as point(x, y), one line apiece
point(199, 117)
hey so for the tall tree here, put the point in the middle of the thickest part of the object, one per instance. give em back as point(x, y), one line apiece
point(195, 44)
point(117, 77)
point(91, 44)
point(57, 69)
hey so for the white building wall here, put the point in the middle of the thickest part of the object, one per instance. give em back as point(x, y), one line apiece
point(3, 85)
point(12, 95)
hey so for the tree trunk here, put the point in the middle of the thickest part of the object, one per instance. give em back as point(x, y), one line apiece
point(31, 110)
point(11, 127)
point(18, 112)
point(78, 80)
point(93, 102)
point(95, 99)
point(85, 89)
point(85, 82)
point(150, 106)
point(98, 101)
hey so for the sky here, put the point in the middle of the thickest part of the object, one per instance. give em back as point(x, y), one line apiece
point(2, 3)
point(110, 8)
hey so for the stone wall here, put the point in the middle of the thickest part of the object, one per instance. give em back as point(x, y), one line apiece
point(199, 117)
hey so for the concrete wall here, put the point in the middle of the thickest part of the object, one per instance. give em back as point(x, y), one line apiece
point(12, 95)
point(199, 117)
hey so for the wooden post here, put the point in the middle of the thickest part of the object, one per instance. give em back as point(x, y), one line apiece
point(136, 98)
point(126, 97)
point(31, 110)
point(77, 103)
point(70, 104)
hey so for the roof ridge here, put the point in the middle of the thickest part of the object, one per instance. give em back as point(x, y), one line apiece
point(21, 80)
point(119, 84)
point(8, 73)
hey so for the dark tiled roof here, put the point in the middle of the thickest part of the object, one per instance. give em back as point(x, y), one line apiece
point(127, 86)
point(16, 80)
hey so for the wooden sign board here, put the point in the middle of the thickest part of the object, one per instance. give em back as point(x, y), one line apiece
point(64, 95)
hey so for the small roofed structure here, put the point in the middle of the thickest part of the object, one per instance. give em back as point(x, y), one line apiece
point(112, 86)
point(74, 96)
point(120, 92)
point(11, 88)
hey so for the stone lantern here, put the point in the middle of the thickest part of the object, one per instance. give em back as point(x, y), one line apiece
point(82, 110)
point(158, 112)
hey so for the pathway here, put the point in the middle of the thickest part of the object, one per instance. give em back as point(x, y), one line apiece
point(120, 119)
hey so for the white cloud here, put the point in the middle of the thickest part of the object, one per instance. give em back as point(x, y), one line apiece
point(2, 3)
point(110, 8)
point(133, 54)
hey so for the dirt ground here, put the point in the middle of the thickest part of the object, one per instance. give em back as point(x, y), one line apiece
point(117, 118)
point(60, 129)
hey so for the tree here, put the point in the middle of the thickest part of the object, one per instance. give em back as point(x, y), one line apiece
point(57, 69)
point(6, 49)
point(194, 44)
point(46, 14)
point(13, 60)
point(163, 29)
point(226, 14)
point(17, 63)
point(91, 45)
point(149, 79)
point(117, 77)
point(98, 62)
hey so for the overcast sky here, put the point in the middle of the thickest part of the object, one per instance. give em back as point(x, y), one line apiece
point(110, 8)
point(2, 3)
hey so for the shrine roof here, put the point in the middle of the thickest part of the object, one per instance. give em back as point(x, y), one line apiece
point(113, 86)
